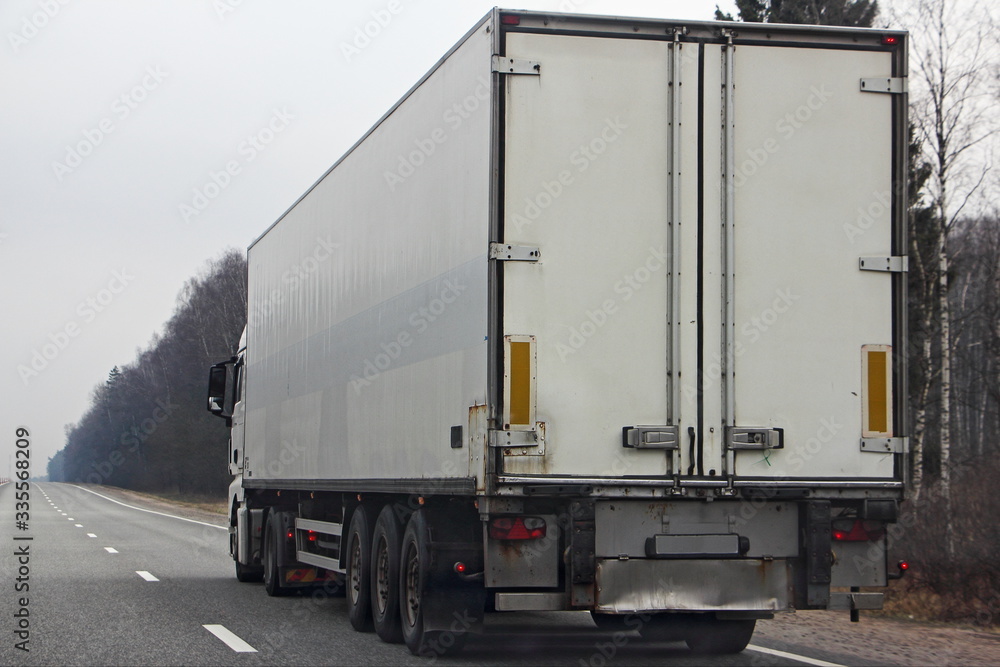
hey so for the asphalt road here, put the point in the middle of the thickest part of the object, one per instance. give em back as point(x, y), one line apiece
point(91, 601)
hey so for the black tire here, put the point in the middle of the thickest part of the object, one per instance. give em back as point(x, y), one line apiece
point(358, 581)
point(718, 637)
point(245, 573)
point(414, 575)
point(270, 545)
point(669, 627)
point(385, 588)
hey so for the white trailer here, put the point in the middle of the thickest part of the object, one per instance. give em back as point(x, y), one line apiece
point(600, 316)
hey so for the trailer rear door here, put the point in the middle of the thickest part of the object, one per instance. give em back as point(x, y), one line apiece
point(683, 294)
point(812, 329)
point(587, 181)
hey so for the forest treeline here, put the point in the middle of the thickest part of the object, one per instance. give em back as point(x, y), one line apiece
point(147, 428)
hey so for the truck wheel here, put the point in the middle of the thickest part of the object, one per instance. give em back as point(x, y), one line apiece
point(359, 546)
point(272, 574)
point(385, 577)
point(719, 637)
point(414, 575)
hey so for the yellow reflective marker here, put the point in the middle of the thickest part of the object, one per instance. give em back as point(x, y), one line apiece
point(519, 408)
point(877, 390)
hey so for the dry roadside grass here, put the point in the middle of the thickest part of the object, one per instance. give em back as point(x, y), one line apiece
point(908, 599)
point(878, 640)
point(204, 508)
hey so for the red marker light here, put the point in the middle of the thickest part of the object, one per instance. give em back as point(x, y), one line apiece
point(857, 530)
point(510, 19)
point(460, 567)
point(903, 565)
point(889, 40)
point(291, 534)
point(517, 528)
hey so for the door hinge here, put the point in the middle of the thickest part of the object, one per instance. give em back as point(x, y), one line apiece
point(650, 437)
point(755, 438)
point(503, 252)
point(891, 264)
point(533, 438)
point(505, 65)
point(895, 85)
point(885, 445)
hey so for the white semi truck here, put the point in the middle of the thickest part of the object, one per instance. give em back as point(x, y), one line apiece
point(605, 314)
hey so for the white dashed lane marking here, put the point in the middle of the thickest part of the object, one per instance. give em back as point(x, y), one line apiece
point(793, 656)
point(230, 640)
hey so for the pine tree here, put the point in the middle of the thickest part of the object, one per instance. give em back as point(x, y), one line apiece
point(857, 13)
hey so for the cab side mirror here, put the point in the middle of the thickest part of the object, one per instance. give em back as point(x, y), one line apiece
point(220, 401)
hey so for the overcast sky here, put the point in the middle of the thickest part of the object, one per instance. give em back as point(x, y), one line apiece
point(115, 115)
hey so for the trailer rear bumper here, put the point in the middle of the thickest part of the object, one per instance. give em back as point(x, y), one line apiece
point(638, 585)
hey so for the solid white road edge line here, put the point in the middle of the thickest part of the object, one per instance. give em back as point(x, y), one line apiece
point(230, 640)
point(793, 656)
point(146, 575)
point(132, 507)
point(111, 550)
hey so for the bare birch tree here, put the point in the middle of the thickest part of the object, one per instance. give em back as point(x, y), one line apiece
point(951, 64)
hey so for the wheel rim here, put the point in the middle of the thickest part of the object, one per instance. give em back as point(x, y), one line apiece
point(412, 603)
point(382, 575)
point(355, 571)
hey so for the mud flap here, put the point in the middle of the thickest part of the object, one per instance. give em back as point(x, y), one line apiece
point(817, 571)
point(582, 536)
point(455, 610)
